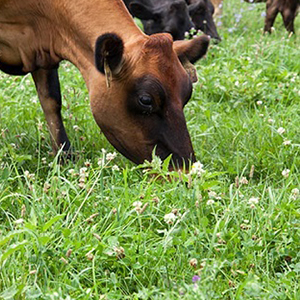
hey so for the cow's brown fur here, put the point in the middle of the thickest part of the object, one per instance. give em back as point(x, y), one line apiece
point(287, 8)
point(35, 35)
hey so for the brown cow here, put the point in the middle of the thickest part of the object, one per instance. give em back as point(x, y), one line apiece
point(138, 84)
point(287, 8)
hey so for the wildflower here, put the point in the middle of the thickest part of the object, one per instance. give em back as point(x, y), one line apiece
point(285, 173)
point(19, 221)
point(87, 163)
point(115, 168)
point(263, 14)
point(46, 188)
point(197, 168)
point(244, 180)
point(111, 156)
point(72, 172)
point(137, 204)
point(170, 218)
point(210, 202)
point(253, 200)
point(295, 192)
point(287, 143)
point(76, 127)
point(281, 130)
point(120, 252)
point(193, 263)
point(28, 175)
point(82, 185)
point(212, 194)
point(259, 102)
point(219, 23)
point(195, 278)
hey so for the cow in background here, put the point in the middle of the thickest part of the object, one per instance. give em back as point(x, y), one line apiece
point(162, 16)
point(287, 8)
point(201, 12)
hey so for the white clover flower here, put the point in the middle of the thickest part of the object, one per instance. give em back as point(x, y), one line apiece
point(83, 170)
point(259, 102)
point(285, 173)
point(19, 221)
point(111, 156)
point(76, 127)
point(295, 193)
point(115, 168)
point(212, 194)
point(271, 121)
point(197, 168)
point(210, 202)
point(193, 262)
point(253, 200)
point(287, 143)
point(137, 204)
point(244, 180)
point(170, 218)
point(281, 130)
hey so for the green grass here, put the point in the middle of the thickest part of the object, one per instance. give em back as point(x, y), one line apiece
point(73, 233)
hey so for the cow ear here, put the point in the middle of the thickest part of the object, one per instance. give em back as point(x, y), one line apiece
point(192, 50)
point(109, 50)
point(142, 11)
point(189, 52)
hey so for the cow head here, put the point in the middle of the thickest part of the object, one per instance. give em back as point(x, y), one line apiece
point(148, 82)
point(170, 16)
point(201, 13)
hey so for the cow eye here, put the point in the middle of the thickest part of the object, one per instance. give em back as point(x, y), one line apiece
point(146, 101)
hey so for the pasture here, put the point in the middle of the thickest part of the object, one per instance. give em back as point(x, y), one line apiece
point(101, 227)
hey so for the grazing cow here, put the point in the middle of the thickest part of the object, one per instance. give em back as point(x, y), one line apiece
point(201, 12)
point(287, 8)
point(162, 16)
point(138, 84)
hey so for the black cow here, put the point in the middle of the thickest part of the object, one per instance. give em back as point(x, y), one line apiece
point(201, 12)
point(162, 16)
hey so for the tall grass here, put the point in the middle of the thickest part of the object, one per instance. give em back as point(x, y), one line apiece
point(103, 228)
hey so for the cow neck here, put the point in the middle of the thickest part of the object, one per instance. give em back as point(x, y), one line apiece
point(84, 21)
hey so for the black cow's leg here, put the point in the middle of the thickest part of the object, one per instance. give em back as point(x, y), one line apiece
point(288, 19)
point(47, 85)
point(272, 11)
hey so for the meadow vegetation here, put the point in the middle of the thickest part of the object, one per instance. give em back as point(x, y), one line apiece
point(101, 227)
